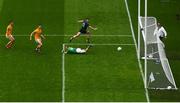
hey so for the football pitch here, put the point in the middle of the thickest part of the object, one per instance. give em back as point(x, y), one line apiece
point(103, 74)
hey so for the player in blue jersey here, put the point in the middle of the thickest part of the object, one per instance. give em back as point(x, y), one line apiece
point(72, 50)
point(84, 30)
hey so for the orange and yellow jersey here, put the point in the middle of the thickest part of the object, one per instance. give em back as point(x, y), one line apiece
point(37, 33)
point(9, 30)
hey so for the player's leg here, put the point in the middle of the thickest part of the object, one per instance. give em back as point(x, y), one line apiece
point(88, 48)
point(88, 37)
point(7, 45)
point(65, 49)
point(38, 48)
point(162, 39)
point(75, 36)
point(11, 42)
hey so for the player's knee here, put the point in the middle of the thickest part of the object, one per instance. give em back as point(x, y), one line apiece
point(77, 35)
point(88, 32)
point(40, 44)
point(13, 40)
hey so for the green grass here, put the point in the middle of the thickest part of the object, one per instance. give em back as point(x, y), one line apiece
point(104, 77)
point(103, 74)
point(25, 75)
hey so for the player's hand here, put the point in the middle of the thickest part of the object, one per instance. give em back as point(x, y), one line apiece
point(44, 37)
point(95, 28)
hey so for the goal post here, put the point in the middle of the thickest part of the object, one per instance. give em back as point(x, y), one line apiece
point(157, 70)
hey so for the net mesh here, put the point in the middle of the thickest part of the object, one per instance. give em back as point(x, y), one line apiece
point(159, 74)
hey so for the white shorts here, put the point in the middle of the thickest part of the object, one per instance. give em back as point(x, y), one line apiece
point(80, 51)
point(38, 41)
point(9, 37)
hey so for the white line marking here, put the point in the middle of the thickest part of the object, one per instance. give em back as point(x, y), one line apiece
point(98, 44)
point(55, 35)
point(63, 76)
point(133, 35)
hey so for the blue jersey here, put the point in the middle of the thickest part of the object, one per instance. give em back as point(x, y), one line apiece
point(85, 25)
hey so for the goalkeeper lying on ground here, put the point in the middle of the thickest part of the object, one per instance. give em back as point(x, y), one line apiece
point(71, 50)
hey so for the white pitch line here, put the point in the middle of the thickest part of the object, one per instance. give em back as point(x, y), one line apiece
point(63, 76)
point(99, 44)
point(133, 34)
point(54, 35)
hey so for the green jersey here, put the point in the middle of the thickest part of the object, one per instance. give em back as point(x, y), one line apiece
point(71, 50)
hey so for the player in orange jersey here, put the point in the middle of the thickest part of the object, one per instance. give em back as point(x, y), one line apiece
point(37, 36)
point(9, 35)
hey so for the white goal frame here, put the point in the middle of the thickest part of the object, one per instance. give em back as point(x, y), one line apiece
point(145, 41)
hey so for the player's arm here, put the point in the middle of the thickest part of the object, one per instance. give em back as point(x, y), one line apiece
point(80, 21)
point(31, 35)
point(43, 36)
point(8, 29)
point(165, 33)
point(93, 28)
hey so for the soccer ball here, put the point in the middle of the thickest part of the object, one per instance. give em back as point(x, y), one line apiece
point(169, 87)
point(119, 49)
point(150, 56)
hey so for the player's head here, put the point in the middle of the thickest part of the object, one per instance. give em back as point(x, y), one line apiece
point(11, 22)
point(86, 19)
point(158, 24)
point(65, 47)
point(39, 26)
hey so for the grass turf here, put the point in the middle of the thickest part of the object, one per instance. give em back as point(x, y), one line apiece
point(104, 77)
point(27, 76)
point(37, 77)
point(103, 74)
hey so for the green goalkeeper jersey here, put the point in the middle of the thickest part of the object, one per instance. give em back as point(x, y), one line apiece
point(71, 50)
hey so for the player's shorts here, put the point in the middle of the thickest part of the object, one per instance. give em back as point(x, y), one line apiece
point(9, 36)
point(80, 51)
point(38, 41)
point(83, 31)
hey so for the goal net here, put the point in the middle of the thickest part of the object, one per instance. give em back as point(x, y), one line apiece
point(158, 73)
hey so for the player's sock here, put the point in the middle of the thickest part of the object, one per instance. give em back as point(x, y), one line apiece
point(8, 46)
point(39, 50)
point(70, 40)
point(90, 46)
point(88, 40)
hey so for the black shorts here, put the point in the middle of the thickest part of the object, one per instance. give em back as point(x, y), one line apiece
point(161, 38)
point(83, 31)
